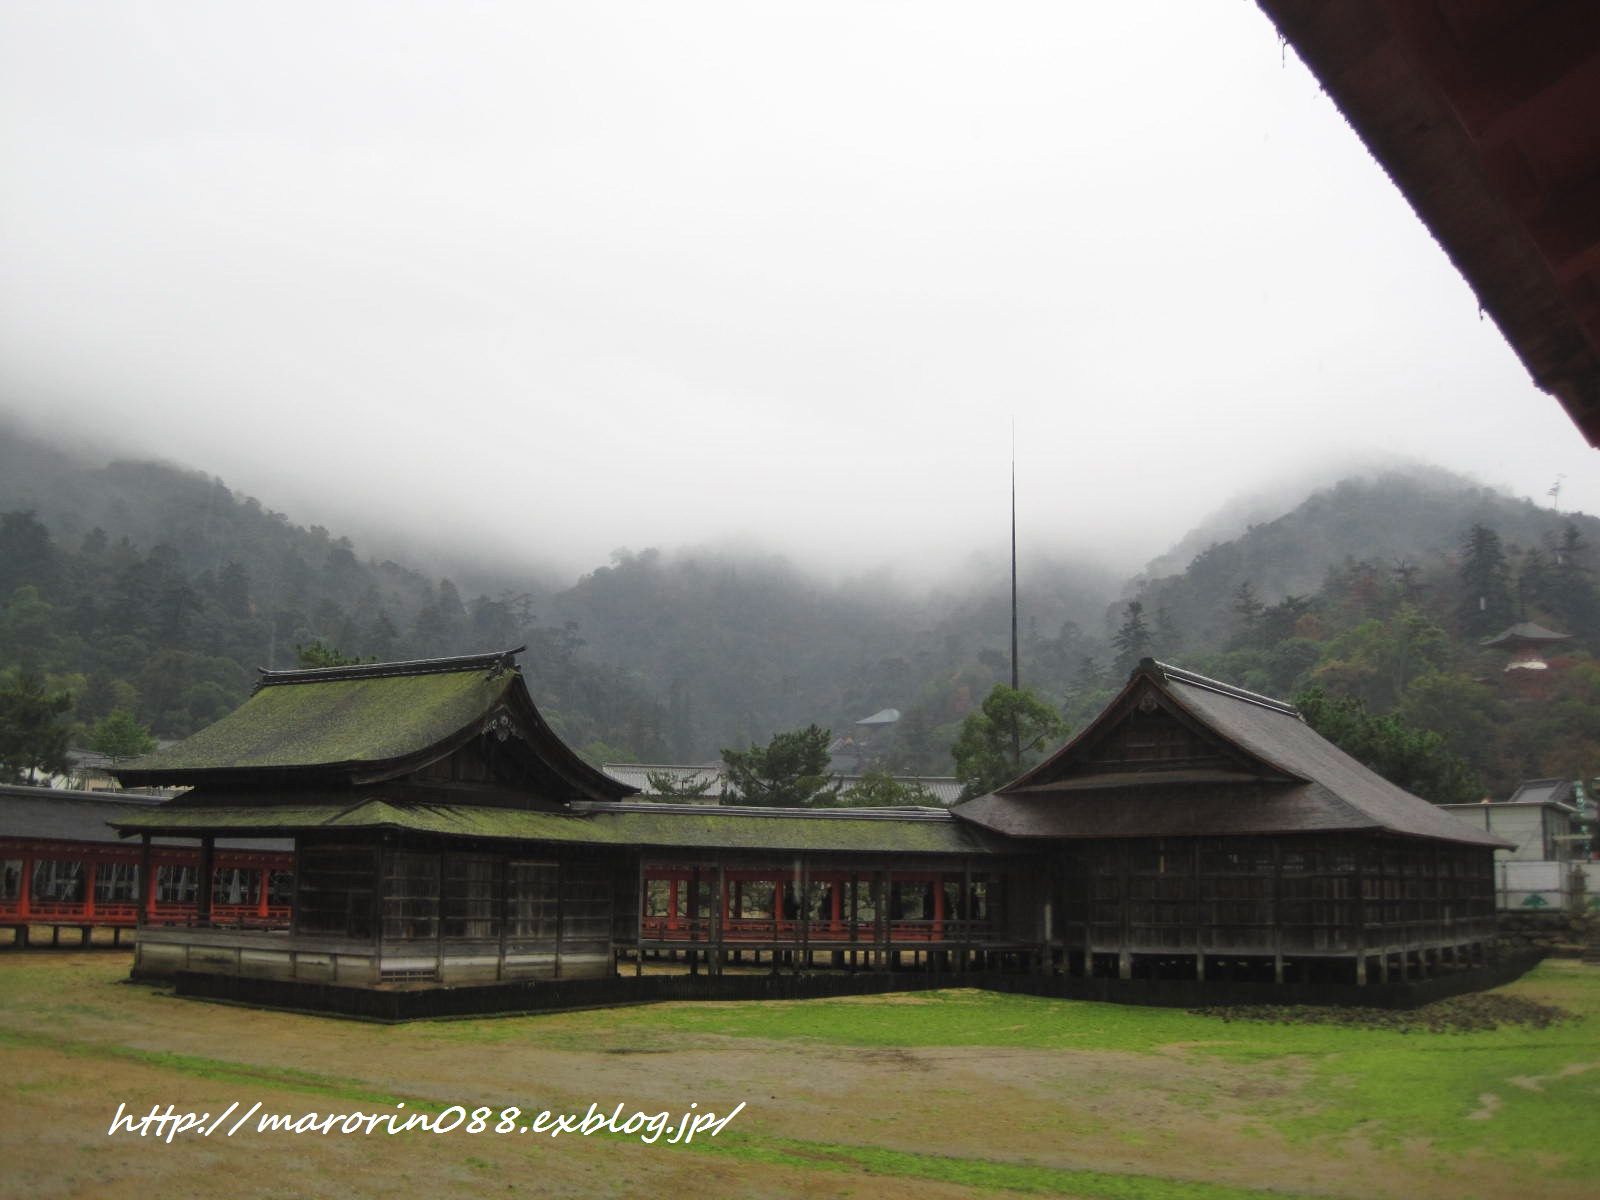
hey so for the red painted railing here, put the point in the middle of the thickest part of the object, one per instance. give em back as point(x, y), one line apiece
point(79, 867)
point(936, 893)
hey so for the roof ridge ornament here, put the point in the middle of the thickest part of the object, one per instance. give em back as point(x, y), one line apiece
point(500, 726)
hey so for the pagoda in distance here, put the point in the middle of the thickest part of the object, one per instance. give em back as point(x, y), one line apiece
point(1527, 644)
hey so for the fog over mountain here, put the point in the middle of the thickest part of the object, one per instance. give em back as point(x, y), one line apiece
point(540, 282)
point(155, 590)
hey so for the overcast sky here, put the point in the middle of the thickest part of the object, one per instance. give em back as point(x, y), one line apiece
point(571, 277)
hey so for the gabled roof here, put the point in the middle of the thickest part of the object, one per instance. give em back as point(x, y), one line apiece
point(1239, 763)
point(1560, 792)
point(363, 724)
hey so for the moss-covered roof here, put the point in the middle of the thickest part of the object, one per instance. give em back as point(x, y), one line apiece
point(334, 722)
point(666, 826)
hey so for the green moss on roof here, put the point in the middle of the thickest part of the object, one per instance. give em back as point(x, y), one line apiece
point(336, 721)
point(631, 827)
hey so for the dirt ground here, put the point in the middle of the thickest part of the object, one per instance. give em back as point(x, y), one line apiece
point(76, 1041)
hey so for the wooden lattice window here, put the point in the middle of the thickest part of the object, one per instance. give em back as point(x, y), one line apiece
point(58, 881)
point(410, 897)
point(116, 883)
point(586, 903)
point(533, 900)
point(338, 886)
point(471, 898)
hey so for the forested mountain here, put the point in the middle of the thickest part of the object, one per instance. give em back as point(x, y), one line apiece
point(741, 646)
point(1379, 592)
point(1416, 516)
point(156, 590)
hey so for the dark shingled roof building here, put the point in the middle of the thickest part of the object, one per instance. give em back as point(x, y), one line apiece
point(444, 835)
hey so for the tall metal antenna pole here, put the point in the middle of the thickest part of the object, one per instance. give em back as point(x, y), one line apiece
point(1016, 671)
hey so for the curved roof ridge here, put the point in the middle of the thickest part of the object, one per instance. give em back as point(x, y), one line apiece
point(501, 659)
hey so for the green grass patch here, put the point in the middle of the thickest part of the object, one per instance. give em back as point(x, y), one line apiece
point(1386, 1087)
point(218, 1070)
point(1514, 1094)
point(985, 1174)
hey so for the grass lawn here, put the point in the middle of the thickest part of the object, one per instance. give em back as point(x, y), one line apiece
point(957, 1093)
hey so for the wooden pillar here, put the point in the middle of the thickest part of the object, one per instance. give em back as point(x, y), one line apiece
point(1277, 912)
point(1361, 918)
point(1197, 913)
point(25, 892)
point(91, 872)
point(968, 919)
point(1383, 920)
point(380, 874)
point(1124, 953)
point(672, 902)
point(148, 874)
point(294, 903)
point(503, 870)
point(438, 915)
point(722, 919)
point(202, 890)
point(855, 910)
point(1047, 930)
point(694, 919)
point(880, 917)
point(640, 907)
point(1435, 888)
point(264, 874)
point(561, 911)
point(803, 904)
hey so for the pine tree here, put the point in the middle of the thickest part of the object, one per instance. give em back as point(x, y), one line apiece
point(789, 771)
point(119, 736)
point(33, 737)
point(1133, 641)
point(1168, 638)
point(1533, 584)
point(1010, 724)
point(1571, 590)
point(1486, 605)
